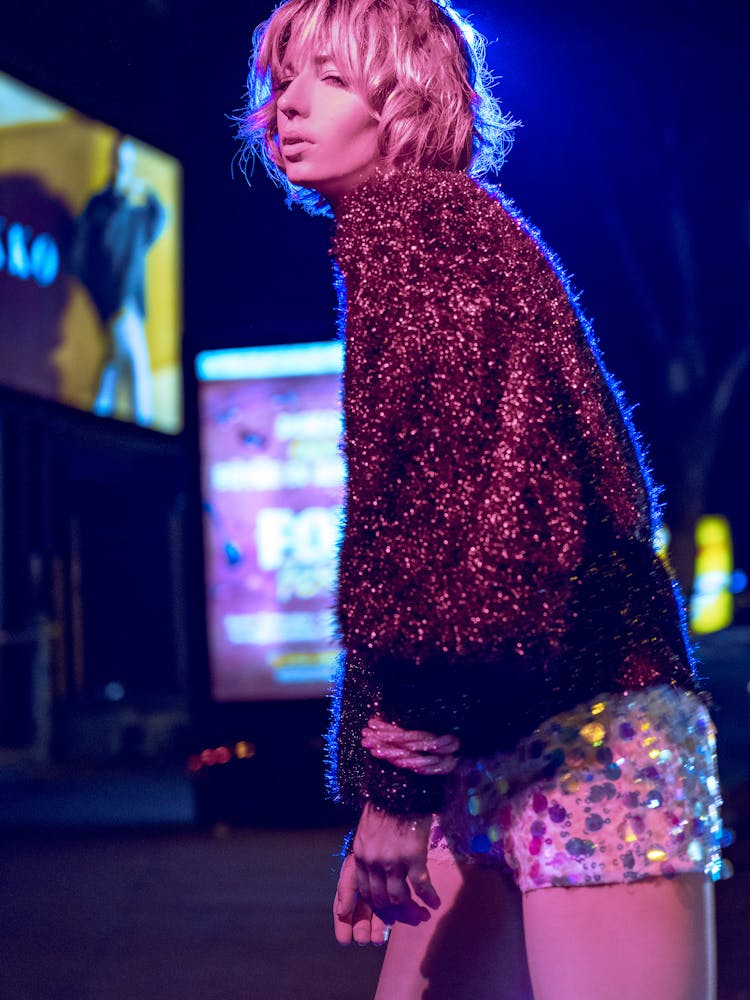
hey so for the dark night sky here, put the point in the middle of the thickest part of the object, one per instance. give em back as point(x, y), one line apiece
point(634, 150)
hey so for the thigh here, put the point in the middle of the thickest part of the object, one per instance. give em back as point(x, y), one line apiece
point(471, 947)
point(128, 334)
point(649, 938)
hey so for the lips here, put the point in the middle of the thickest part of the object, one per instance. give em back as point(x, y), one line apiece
point(293, 140)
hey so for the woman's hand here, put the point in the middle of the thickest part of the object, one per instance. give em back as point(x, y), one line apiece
point(353, 918)
point(390, 856)
point(424, 753)
point(389, 862)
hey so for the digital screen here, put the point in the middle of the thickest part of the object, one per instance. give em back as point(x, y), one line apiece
point(90, 263)
point(273, 486)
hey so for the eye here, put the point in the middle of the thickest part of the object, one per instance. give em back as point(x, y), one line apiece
point(336, 79)
point(281, 86)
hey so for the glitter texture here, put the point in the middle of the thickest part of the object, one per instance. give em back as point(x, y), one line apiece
point(497, 563)
point(554, 831)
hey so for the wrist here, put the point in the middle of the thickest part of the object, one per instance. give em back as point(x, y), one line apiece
point(411, 821)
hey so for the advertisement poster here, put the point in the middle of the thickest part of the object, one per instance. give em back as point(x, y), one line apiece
point(90, 263)
point(273, 486)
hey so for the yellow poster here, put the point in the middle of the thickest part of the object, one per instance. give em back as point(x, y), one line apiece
point(90, 263)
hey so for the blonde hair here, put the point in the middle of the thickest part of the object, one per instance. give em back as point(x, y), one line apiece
point(417, 64)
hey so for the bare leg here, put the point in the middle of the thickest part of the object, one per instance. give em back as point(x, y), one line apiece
point(652, 938)
point(143, 404)
point(472, 947)
point(104, 404)
point(128, 367)
point(132, 349)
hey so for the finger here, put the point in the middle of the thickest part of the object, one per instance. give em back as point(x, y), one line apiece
point(379, 931)
point(442, 746)
point(396, 887)
point(342, 927)
point(419, 880)
point(346, 890)
point(399, 754)
point(372, 887)
point(440, 765)
point(420, 763)
point(379, 899)
point(361, 923)
point(389, 731)
point(439, 745)
point(344, 902)
point(362, 875)
point(409, 756)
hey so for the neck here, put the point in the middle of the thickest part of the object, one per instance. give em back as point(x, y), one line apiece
point(337, 199)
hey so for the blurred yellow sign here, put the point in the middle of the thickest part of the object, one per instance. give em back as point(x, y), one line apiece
point(712, 604)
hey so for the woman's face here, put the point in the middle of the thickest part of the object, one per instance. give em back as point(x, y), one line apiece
point(327, 133)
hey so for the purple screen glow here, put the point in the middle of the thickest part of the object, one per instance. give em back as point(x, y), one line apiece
point(273, 481)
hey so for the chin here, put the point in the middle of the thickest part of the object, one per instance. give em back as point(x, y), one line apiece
point(300, 176)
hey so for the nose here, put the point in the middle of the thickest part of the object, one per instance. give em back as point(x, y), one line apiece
point(293, 101)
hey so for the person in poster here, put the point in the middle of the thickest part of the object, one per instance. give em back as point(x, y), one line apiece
point(113, 235)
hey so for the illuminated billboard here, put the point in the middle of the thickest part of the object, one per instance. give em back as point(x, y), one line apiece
point(90, 263)
point(273, 485)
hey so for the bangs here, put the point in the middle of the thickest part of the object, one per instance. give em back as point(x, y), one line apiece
point(305, 31)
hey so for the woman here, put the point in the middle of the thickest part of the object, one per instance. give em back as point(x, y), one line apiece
point(518, 697)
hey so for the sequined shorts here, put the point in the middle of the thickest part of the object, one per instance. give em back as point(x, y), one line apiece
point(620, 788)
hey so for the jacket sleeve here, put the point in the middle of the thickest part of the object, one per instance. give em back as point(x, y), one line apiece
point(80, 242)
point(155, 218)
point(466, 506)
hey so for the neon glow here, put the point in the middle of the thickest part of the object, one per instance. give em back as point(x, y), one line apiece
point(712, 603)
point(273, 482)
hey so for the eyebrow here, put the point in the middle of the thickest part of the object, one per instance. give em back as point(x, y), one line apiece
point(288, 65)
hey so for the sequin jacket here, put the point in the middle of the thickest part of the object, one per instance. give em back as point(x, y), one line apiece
point(497, 563)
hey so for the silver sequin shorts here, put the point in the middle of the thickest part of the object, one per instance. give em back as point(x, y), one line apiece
point(620, 788)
